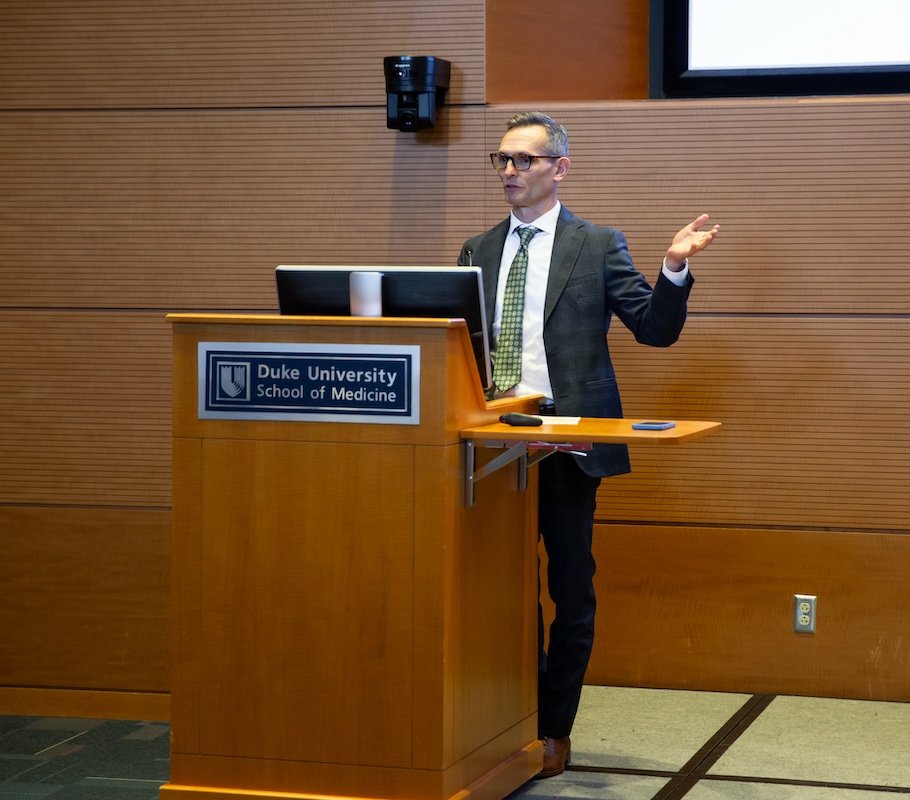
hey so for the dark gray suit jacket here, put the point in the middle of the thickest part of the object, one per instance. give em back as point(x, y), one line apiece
point(591, 278)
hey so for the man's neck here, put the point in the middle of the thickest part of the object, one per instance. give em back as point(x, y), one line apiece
point(527, 215)
point(530, 213)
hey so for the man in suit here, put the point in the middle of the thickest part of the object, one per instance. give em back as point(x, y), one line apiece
point(578, 275)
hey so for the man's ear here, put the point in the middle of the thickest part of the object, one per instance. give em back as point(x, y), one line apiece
point(562, 167)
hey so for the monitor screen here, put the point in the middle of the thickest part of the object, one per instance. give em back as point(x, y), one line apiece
point(435, 292)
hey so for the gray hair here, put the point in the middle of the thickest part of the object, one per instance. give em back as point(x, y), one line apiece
point(557, 138)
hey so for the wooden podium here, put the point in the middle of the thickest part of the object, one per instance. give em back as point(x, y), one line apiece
point(345, 625)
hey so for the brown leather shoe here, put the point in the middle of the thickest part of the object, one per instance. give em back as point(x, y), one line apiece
point(556, 754)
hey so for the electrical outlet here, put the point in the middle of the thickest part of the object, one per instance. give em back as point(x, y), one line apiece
point(804, 607)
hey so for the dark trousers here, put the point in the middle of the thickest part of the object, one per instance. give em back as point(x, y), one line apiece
point(567, 500)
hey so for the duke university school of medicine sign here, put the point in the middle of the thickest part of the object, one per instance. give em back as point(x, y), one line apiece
point(377, 384)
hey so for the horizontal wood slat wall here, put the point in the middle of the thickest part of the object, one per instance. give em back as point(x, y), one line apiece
point(167, 157)
point(114, 54)
point(85, 411)
point(814, 417)
point(195, 209)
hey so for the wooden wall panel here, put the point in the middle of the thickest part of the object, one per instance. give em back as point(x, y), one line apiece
point(85, 411)
point(84, 600)
point(112, 54)
point(814, 416)
point(576, 51)
point(195, 209)
point(712, 608)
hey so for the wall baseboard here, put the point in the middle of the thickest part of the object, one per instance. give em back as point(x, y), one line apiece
point(35, 702)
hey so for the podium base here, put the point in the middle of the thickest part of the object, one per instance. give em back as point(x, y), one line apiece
point(496, 784)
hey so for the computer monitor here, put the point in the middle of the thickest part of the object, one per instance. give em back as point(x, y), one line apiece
point(435, 292)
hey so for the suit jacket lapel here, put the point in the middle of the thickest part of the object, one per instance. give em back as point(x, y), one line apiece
point(567, 244)
point(488, 256)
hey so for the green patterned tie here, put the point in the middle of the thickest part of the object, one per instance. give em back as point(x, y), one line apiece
point(507, 367)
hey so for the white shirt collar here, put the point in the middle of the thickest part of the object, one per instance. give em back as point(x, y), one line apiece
point(545, 222)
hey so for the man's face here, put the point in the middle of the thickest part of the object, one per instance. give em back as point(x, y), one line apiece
point(530, 192)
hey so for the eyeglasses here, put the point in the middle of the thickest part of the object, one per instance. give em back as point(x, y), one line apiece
point(521, 161)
